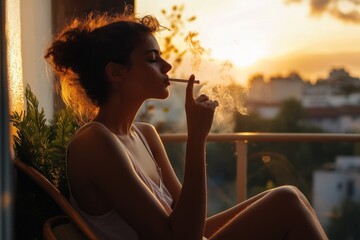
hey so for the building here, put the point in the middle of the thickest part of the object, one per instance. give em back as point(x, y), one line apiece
point(341, 119)
point(265, 97)
point(335, 183)
point(338, 89)
point(332, 104)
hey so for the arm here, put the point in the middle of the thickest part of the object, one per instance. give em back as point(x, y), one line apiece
point(190, 210)
point(190, 199)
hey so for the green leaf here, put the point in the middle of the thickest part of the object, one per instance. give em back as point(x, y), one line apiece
point(41, 143)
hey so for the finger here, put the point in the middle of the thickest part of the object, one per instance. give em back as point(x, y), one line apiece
point(190, 88)
point(202, 98)
point(211, 104)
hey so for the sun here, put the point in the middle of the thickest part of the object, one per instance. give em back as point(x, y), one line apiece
point(242, 53)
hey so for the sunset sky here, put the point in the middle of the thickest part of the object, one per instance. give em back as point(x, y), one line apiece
point(273, 36)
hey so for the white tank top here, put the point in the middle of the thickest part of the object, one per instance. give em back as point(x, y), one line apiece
point(111, 225)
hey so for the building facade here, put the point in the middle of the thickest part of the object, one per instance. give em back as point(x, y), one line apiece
point(334, 184)
point(332, 104)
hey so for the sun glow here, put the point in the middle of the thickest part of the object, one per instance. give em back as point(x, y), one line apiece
point(244, 55)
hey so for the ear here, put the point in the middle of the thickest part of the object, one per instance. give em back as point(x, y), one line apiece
point(115, 71)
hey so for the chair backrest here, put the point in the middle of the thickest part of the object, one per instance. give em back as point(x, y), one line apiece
point(55, 194)
point(61, 228)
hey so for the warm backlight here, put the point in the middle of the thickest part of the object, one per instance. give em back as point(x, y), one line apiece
point(14, 61)
point(243, 55)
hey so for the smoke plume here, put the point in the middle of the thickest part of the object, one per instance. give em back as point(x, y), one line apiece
point(230, 96)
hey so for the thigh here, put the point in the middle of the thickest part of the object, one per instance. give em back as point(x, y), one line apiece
point(217, 221)
point(260, 220)
point(278, 214)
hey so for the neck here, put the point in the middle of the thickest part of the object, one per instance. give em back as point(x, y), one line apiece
point(118, 117)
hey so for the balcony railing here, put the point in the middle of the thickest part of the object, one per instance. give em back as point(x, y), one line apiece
point(242, 139)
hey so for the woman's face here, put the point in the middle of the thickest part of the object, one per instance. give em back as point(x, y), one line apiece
point(148, 71)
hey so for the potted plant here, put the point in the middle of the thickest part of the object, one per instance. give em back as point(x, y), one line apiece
point(42, 145)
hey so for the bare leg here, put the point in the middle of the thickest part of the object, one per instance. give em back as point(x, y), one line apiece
point(281, 213)
point(216, 222)
point(311, 211)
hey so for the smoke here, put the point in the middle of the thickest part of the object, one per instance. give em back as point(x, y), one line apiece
point(230, 96)
point(221, 87)
point(344, 10)
point(217, 82)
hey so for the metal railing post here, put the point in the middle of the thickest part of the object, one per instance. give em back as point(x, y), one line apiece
point(241, 170)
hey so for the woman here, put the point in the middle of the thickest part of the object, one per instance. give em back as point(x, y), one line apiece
point(120, 177)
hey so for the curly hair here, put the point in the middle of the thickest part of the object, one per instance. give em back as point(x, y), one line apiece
point(80, 51)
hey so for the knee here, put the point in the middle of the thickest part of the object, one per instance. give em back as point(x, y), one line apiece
point(287, 194)
point(292, 189)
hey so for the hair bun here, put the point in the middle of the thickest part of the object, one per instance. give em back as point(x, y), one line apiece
point(68, 51)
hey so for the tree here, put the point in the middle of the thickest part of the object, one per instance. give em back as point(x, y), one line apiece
point(170, 48)
point(290, 117)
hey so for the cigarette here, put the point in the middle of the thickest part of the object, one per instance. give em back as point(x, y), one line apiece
point(182, 80)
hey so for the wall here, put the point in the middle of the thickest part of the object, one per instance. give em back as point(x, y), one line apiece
point(36, 34)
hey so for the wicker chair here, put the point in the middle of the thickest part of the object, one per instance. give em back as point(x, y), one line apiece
point(61, 228)
point(73, 217)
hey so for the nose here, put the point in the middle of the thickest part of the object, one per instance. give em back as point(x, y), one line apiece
point(166, 67)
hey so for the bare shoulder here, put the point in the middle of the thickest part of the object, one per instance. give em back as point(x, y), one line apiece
point(149, 132)
point(146, 128)
point(90, 139)
point(93, 144)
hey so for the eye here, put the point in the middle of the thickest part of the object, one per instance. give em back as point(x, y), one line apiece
point(154, 59)
point(153, 56)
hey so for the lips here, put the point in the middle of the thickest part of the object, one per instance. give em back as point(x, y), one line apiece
point(167, 82)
